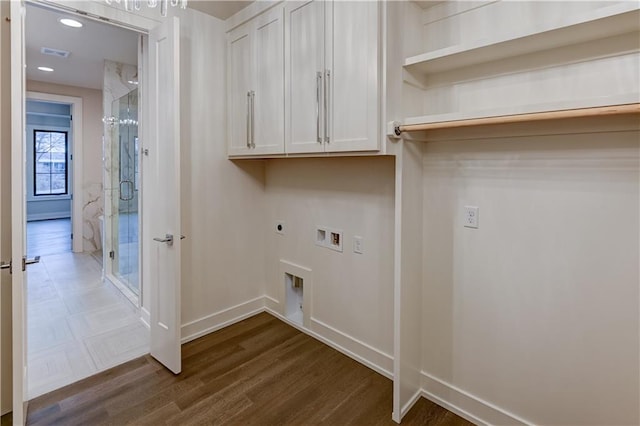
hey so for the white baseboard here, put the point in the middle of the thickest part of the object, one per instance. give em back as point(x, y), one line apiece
point(198, 328)
point(412, 401)
point(48, 216)
point(356, 349)
point(465, 404)
point(271, 303)
point(345, 344)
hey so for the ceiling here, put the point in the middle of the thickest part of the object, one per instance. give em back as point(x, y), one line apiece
point(90, 45)
point(219, 9)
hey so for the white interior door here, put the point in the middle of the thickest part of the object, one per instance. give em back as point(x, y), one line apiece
point(18, 208)
point(164, 156)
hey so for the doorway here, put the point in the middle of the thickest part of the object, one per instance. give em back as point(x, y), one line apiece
point(77, 323)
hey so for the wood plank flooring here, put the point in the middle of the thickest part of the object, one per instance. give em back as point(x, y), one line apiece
point(260, 371)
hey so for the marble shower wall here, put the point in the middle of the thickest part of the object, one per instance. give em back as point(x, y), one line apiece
point(116, 84)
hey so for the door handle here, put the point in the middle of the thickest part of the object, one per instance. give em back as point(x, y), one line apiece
point(26, 262)
point(167, 239)
point(130, 192)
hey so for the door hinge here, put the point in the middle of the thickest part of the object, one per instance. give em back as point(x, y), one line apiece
point(112, 254)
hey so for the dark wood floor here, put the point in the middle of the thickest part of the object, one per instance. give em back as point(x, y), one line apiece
point(260, 371)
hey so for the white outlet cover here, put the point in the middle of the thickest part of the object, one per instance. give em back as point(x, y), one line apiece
point(470, 217)
point(358, 244)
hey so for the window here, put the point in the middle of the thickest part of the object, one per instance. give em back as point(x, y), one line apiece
point(50, 162)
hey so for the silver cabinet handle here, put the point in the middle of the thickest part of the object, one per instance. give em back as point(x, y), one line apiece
point(327, 91)
point(318, 90)
point(167, 239)
point(249, 119)
point(253, 112)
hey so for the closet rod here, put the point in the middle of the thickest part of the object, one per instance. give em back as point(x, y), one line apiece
point(523, 118)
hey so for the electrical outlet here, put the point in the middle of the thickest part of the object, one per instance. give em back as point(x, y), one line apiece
point(280, 227)
point(470, 216)
point(358, 244)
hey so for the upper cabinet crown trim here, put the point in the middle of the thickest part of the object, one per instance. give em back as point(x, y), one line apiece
point(254, 9)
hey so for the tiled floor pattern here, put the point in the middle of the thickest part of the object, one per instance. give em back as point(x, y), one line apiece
point(77, 325)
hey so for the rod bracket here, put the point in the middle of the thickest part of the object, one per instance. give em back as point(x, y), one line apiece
point(393, 130)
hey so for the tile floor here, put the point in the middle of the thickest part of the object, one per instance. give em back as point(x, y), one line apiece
point(77, 325)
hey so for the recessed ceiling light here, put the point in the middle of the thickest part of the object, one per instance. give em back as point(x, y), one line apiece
point(70, 22)
point(46, 69)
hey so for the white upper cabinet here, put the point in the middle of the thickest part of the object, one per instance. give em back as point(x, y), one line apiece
point(255, 83)
point(351, 76)
point(331, 73)
point(303, 78)
point(239, 76)
point(304, 64)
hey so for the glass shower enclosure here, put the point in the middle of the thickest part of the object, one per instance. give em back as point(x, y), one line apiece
point(122, 266)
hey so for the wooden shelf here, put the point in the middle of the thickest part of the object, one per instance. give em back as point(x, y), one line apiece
point(604, 22)
point(601, 111)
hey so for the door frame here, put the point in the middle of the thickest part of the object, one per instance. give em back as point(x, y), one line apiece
point(140, 21)
point(76, 162)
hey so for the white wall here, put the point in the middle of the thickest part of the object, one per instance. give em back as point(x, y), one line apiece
point(223, 201)
point(91, 156)
point(535, 312)
point(352, 293)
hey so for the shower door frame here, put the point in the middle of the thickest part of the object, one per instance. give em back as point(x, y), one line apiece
point(108, 262)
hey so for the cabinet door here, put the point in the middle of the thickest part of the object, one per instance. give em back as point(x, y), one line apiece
point(352, 64)
point(304, 76)
point(268, 98)
point(239, 82)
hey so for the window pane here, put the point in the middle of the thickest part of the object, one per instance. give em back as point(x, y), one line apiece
point(58, 142)
point(58, 162)
point(50, 162)
point(43, 162)
point(43, 142)
point(58, 183)
point(43, 184)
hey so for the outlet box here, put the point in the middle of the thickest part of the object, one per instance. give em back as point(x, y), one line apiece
point(280, 227)
point(329, 238)
point(335, 242)
point(321, 237)
point(470, 216)
point(358, 244)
